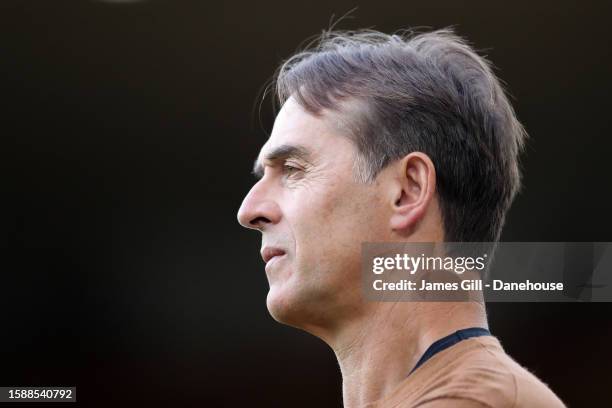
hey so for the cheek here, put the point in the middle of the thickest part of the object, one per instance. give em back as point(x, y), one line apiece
point(317, 212)
point(329, 226)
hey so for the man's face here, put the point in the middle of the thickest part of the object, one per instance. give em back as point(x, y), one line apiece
point(313, 217)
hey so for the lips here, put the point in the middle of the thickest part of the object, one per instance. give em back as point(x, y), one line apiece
point(270, 252)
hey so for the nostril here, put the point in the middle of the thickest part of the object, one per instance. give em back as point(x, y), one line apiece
point(256, 221)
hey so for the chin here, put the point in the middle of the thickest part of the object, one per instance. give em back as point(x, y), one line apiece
point(290, 306)
point(280, 305)
point(301, 307)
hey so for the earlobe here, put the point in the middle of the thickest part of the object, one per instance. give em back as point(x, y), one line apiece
point(416, 187)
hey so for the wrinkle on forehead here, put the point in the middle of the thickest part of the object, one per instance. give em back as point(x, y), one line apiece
point(345, 119)
point(295, 125)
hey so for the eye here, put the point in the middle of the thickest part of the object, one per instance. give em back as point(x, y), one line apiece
point(290, 170)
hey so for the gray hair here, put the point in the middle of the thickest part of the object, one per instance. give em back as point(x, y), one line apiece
point(428, 92)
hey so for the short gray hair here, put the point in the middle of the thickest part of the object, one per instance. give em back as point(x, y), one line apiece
point(428, 92)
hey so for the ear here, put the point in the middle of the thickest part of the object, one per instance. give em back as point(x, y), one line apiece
point(415, 190)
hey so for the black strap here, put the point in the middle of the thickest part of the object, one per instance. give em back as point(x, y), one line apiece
point(446, 342)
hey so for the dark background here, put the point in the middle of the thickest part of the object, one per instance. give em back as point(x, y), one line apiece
point(129, 134)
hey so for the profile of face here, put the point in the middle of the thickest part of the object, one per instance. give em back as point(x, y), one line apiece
point(313, 215)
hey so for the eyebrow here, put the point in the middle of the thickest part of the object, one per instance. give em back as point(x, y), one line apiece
point(282, 152)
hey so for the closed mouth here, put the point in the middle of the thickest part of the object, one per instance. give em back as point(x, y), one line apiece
point(270, 252)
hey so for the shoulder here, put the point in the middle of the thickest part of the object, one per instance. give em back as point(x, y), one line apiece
point(530, 391)
point(496, 372)
point(474, 373)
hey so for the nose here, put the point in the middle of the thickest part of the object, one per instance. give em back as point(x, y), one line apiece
point(259, 209)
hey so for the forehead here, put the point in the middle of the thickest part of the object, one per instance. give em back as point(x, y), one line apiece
point(296, 127)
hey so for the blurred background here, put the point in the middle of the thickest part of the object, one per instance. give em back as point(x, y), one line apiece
point(129, 130)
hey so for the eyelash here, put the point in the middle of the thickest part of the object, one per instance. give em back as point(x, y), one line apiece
point(289, 169)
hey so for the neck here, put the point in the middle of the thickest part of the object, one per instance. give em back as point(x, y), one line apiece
point(377, 352)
